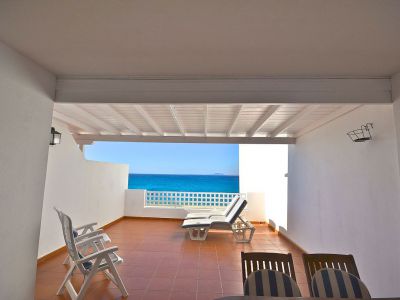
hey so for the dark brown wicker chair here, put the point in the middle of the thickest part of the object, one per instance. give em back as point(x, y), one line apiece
point(314, 262)
point(252, 261)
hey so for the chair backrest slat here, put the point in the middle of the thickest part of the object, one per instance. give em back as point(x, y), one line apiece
point(252, 261)
point(315, 262)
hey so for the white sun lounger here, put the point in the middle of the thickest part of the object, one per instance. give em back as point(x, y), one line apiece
point(242, 229)
point(212, 213)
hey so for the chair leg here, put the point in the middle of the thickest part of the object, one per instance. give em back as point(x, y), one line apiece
point(86, 282)
point(117, 278)
point(66, 278)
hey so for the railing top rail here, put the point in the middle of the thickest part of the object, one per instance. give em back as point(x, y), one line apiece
point(150, 191)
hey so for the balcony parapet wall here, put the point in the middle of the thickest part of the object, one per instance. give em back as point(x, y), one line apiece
point(137, 206)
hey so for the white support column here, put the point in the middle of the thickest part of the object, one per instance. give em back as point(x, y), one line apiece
point(292, 120)
point(149, 119)
point(26, 93)
point(396, 109)
point(261, 121)
point(234, 120)
point(178, 122)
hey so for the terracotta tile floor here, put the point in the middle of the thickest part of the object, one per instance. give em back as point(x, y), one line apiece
point(161, 262)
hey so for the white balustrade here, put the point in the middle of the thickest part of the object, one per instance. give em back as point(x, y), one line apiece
point(189, 199)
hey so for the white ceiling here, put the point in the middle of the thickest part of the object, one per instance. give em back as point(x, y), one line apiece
point(206, 38)
point(196, 120)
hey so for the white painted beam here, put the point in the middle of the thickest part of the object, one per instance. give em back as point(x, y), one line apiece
point(93, 120)
point(153, 124)
point(73, 122)
point(261, 121)
point(289, 122)
point(85, 138)
point(224, 90)
point(177, 120)
point(127, 123)
point(234, 120)
point(345, 109)
point(205, 120)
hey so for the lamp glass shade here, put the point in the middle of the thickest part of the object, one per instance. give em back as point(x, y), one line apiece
point(55, 137)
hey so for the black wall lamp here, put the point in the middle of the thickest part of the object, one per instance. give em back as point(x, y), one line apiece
point(55, 137)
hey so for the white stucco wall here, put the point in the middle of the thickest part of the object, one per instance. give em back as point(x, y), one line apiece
point(262, 170)
point(134, 207)
point(87, 191)
point(26, 92)
point(344, 197)
point(396, 108)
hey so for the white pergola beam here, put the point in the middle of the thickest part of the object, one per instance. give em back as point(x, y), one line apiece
point(289, 122)
point(92, 119)
point(86, 138)
point(261, 121)
point(327, 119)
point(234, 120)
point(224, 90)
point(127, 123)
point(153, 124)
point(73, 122)
point(177, 120)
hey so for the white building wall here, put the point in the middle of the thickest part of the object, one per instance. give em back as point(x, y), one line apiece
point(135, 207)
point(262, 170)
point(396, 109)
point(344, 197)
point(87, 191)
point(26, 93)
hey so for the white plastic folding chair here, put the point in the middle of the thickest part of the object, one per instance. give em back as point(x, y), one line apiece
point(100, 260)
point(83, 232)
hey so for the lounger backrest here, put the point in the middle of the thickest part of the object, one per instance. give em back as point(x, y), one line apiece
point(231, 205)
point(236, 211)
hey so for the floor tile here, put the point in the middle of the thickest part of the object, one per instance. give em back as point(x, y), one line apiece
point(162, 263)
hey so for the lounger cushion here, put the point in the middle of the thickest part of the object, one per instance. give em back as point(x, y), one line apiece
point(196, 223)
point(204, 215)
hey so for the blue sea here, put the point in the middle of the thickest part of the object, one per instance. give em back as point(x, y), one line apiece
point(184, 183)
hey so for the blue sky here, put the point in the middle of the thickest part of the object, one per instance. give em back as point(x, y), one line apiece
point(166, 158)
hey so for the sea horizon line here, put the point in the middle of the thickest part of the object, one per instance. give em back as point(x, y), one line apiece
point(216, 174)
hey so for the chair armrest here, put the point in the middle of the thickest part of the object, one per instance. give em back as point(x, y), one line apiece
point(85, 226)
point(97, 254)
point(88, 235)
point(90, 240)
